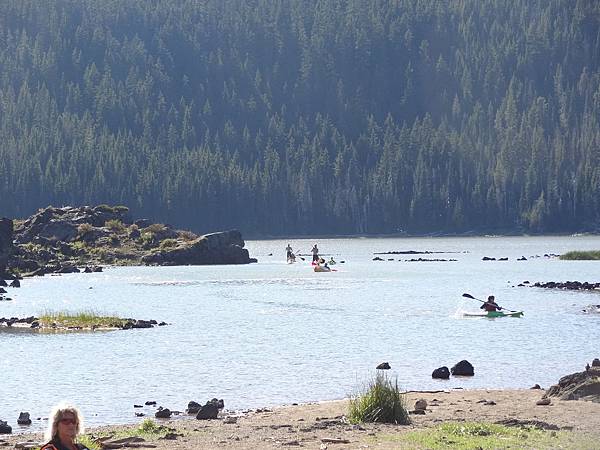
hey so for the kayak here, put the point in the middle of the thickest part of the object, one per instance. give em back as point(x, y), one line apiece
point(494, 314)
point(318, 268)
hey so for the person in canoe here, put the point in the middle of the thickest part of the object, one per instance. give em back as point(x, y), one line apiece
point(490, 304)
point(315, 253)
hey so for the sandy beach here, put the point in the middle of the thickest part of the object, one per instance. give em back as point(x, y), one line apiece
point(323, 425)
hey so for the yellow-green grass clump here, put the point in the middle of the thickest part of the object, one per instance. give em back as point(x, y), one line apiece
point(83, 319)
point(477, 435)
point(591, 255)
point(380, 401)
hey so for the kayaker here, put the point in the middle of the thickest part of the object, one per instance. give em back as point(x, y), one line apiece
point(315, 253)
point(490, 305)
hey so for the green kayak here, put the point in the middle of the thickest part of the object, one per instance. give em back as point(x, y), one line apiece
point(494, 314)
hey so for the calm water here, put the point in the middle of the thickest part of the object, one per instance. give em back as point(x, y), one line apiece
point(271, 333)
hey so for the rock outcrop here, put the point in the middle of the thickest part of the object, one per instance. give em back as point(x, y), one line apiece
point(226, 247)
point(578, 386)
point(59, 240)
point(6, 244)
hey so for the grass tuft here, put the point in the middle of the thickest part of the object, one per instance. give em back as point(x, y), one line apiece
point(380, 401)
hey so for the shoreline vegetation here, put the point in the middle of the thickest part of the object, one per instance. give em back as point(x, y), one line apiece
point(451, 419)
point(592, 255)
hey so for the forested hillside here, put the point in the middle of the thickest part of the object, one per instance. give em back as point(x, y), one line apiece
point(305, 116)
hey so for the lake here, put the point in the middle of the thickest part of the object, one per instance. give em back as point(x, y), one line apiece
point(270, 333)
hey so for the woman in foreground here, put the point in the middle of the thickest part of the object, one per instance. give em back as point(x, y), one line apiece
point(64, 424)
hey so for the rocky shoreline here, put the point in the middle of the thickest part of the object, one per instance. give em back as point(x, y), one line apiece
point(324, 425)
point(572, 405)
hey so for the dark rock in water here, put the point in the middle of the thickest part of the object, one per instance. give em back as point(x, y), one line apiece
point(568, 285)
point(596, 361)
point(5, 428)
point(522, 258)
point(193, 407)
point(487, 258)
point(216, 248)
point(377, 258)
point(441, 373)
point(15, 283)
point(535, 386)
point(208, 411)
point(24, 419)
point(383, 366)
point(163, 413)
point(150, 403)
point(463, 368)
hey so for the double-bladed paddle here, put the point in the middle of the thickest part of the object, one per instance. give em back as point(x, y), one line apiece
point(483, 301)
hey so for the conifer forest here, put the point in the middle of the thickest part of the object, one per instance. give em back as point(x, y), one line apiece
point(299, 117)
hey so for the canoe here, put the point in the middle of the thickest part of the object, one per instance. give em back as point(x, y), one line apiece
point(494, 314)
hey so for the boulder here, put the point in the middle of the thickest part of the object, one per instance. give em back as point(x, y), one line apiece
point(463, 368)
point(208, 411)
point(193, 407)
point(217, 248)
point(441, 373)
point(383, 366)
point(6, 244)
point(596, 362)
point(421, 404)
point(24, 419)
point(578, 386)
point(163, 413)
point(5, 428)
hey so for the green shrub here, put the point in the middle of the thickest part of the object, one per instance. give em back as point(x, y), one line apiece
point(89, 442)
point(121, 209)
point(591, 255)
point(380, 401)
point(115, 225)
point(105, 208)
point(84, 228)
point(187, 235)
point(168, 243)
point(148, 426)
point(155, 228)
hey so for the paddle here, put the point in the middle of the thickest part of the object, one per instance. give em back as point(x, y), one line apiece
point(298, 253)
point(482, 301)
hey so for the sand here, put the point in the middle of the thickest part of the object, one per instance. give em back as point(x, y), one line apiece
point(322, 425)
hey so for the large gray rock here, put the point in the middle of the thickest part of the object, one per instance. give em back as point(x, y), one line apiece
point(578, 386)
point(463, 368)
point(6, 239)
point(225, 247)
point(61, 224)
point(441, 373)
